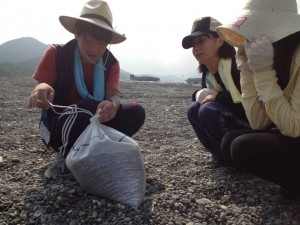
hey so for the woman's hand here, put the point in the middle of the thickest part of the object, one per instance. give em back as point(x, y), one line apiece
point(40, 96)
point(260, 54)
point(107, 110)
point(209, 98)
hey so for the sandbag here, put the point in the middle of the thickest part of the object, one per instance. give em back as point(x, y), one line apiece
point(107, 163)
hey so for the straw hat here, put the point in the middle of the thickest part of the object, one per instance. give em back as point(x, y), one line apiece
point(96, 12)
point(274, 18)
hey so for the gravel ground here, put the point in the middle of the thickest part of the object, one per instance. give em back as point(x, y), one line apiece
point(184, 187)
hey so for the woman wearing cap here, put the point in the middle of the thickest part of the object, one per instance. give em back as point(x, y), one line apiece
point(269, 59)
point(217, 107)
point(85, 73)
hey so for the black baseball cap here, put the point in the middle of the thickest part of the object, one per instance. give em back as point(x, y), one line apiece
point(201, 26)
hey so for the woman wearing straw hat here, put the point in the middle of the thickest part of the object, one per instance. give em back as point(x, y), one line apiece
point(267, 35)
point(83, 73)
point(217, 107)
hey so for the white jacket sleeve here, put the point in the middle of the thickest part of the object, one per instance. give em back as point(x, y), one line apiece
point(283, 111)
point(254, 109)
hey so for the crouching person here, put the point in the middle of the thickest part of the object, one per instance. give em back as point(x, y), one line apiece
point(82, 74)
point(216, 108)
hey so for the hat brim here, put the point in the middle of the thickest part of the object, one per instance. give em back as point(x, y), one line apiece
point(231, 37)
point(251, 24)
point(187, 42)
point(68, 23)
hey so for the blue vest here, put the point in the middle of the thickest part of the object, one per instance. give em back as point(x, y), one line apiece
point(65, 80)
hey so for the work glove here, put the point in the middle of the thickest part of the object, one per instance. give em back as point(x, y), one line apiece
point(203, 93)
point(241, 60)
point(260, 54)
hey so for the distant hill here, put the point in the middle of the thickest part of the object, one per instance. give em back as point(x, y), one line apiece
point(21, 50)
point(124, 76)
point(20, 57)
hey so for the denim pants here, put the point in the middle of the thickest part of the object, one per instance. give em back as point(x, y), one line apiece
point(210, 124)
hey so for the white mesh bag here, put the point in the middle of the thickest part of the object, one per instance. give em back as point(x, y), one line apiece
point(107, 163)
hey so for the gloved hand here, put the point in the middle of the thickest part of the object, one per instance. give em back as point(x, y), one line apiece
point(241, 59)
point(203, 93)
point(260, 54)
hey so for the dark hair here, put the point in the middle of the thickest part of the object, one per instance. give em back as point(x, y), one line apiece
point(84, 28)
point(225, 51)
point(284, 51)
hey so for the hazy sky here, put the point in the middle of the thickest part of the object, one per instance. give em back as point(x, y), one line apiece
point(154, 28)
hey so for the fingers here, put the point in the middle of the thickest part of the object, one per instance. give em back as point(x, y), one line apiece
point(241, 51)
point(259, 43)
point(241, 54)
point(260, 53)
point(43, 97)
point(248, 46)
point(209, 98)
point(106, 110)
point(51, 96)
point(32, 100)
point(40, 96)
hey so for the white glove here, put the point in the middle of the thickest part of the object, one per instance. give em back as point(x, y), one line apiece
point(200, 95)
point(260, 54)
point(241, 60)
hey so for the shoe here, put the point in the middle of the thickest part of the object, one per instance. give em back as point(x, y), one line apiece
point(58, 167)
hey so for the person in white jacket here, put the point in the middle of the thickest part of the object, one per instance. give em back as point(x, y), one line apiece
point(217, 107)
point(267, 35)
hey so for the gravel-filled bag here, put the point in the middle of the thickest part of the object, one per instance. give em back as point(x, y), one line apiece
point(108, 163)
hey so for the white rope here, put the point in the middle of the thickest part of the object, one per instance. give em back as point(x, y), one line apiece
point(72, 112)
point(79, 110)
point(68, 124)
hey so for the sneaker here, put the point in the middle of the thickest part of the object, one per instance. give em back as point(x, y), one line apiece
point(58, 167)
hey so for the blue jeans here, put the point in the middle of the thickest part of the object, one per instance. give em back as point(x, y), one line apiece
point(210, 122)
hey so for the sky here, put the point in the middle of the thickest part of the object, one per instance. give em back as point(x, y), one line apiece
point(154, 28)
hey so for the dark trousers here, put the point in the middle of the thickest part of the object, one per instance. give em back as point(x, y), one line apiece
point(265, 153)
point(210, 122)
point(129, 119)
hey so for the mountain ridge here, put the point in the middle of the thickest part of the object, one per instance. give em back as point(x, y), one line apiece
point(21, 56)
